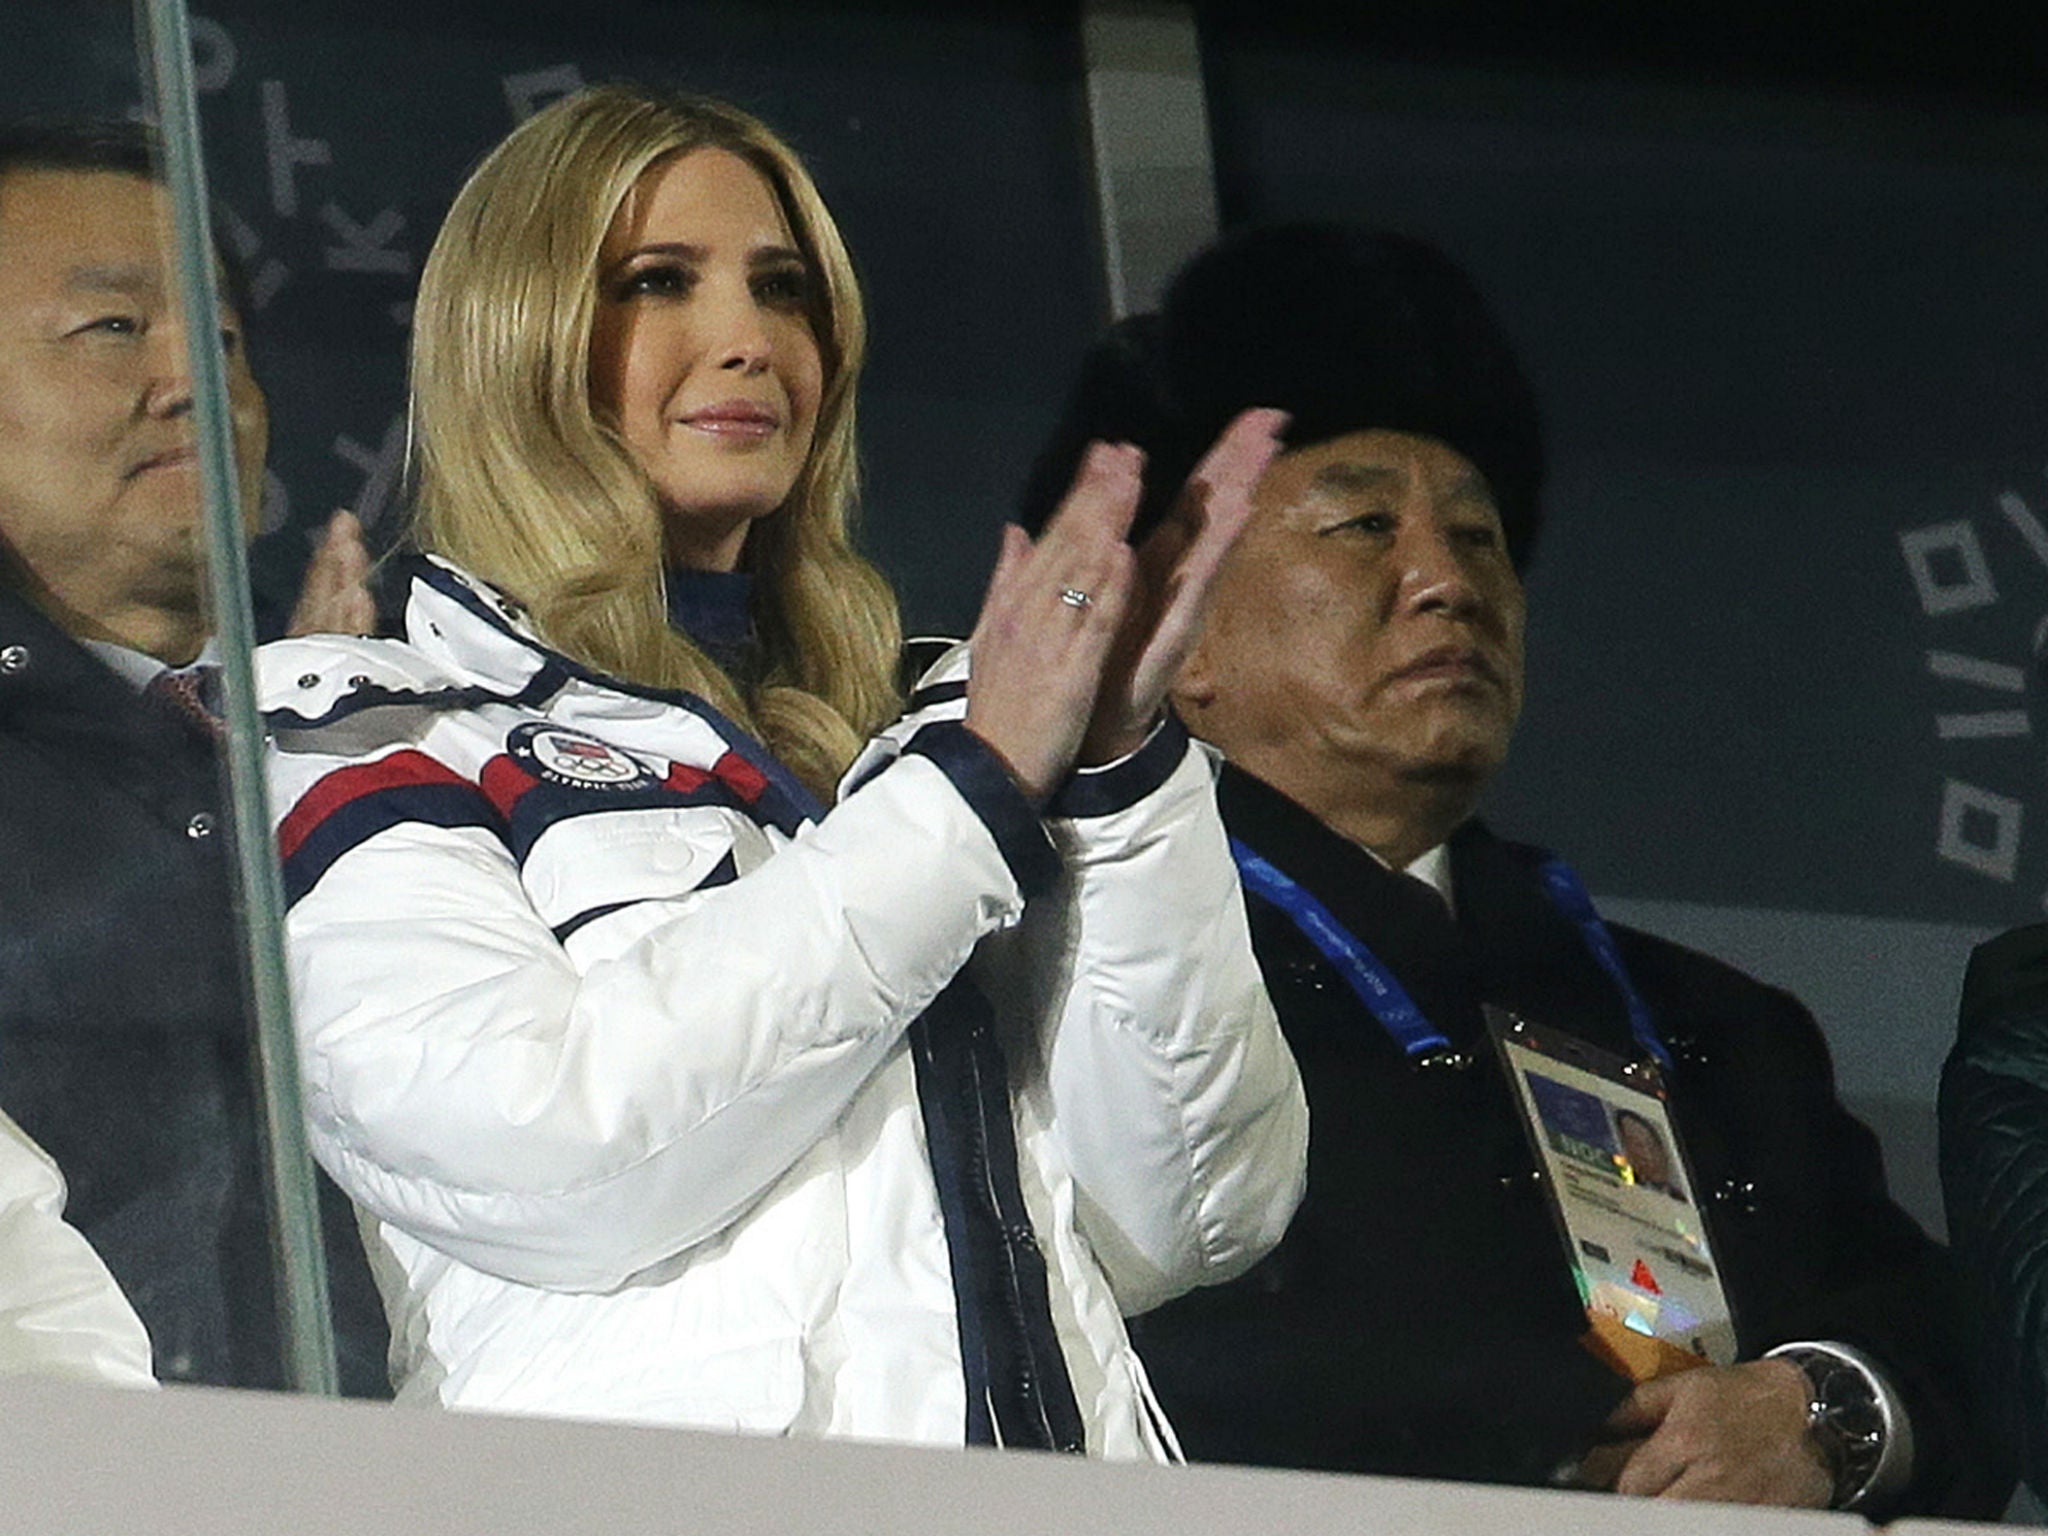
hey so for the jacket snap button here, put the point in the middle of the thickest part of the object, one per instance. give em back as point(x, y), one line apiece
point(360, 680)
point(13, 660)
point(309, 679)
point(200, 826)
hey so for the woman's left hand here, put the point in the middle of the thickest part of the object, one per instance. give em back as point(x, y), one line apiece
point(1176, 564)
point(334, 598)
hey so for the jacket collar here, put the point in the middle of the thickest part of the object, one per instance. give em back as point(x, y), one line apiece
point(467, 624)
point(1507, 944)
point(464, 621)
point(56, 684)
point(1397, 915)
point(65, 704)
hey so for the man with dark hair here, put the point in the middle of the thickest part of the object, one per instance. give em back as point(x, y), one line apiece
point(124, 1044)
point(1361, 673)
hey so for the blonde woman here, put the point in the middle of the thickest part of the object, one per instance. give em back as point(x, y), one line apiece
point(666, 1094)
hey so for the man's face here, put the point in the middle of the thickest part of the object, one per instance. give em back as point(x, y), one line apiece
point(1645, 1151)
point(1367, 621)
point(99, 487)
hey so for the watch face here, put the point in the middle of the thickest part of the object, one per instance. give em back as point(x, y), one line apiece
point(1847, 1421)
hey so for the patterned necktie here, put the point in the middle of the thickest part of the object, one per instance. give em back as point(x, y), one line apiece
point(185, 693)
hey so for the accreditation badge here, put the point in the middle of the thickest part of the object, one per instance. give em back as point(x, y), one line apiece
point(1624, 1199)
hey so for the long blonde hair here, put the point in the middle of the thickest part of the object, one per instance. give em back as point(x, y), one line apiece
point(518, 480)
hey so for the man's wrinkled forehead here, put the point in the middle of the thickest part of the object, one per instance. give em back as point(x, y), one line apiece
point(1355, 477)
point(119, 279)
point(139, 271)
point(58, 207)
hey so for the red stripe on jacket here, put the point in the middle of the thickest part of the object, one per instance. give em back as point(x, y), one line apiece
point(346, 785)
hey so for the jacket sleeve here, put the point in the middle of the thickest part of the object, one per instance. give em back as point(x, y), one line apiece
point(1813, 1245)
point(1159, 1062)
point(1994, 1174)
point(568, 1124)
point(60, 1312)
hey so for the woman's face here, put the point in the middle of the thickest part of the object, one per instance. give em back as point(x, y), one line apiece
point(702, 356)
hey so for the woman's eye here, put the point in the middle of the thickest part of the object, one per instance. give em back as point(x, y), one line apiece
point(665, 281)
point(786, 287)
point(1365, 522)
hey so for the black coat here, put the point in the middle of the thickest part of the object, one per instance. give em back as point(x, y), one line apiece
point(1994, 1175)
point(125, 1049)
point(1420, 1319)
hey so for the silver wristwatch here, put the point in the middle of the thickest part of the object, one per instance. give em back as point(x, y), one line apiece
point(1857, 1422)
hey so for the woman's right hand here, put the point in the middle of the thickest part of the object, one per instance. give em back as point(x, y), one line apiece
point(1053, 609)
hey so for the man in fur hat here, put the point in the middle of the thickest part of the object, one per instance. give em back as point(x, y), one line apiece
point(1362, 675)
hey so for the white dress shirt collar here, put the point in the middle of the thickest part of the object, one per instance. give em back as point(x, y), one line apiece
point(139, 668)
point(1433, 869)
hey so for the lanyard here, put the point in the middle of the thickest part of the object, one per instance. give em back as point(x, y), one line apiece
point(1384, 996)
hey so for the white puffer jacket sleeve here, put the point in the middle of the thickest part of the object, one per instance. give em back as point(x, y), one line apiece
point(1177, 1102)
point(61, 1314)
point(1140, 1036)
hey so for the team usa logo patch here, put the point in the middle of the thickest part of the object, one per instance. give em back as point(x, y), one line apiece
point(577, 762)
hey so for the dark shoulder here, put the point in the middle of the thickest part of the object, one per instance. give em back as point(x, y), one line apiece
point(1698, 996)
point(2003, 1021)
point(1724, 1014)
point(1698, 975)
point(2008, 975)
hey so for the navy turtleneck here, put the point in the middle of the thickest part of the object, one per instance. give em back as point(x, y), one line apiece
point(711, 607)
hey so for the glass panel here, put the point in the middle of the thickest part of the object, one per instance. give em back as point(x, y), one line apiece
point(229, 430)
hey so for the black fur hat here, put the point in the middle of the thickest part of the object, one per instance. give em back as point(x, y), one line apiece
point(1346, 328)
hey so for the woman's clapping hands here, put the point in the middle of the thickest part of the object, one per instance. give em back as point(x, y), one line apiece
point(1080, 636)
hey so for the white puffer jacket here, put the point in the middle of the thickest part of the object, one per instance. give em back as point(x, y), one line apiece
point(611, 1040)
point(61, 1314)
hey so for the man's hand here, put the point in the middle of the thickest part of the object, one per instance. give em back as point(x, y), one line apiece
point(1735, 1433)
point(334, 598)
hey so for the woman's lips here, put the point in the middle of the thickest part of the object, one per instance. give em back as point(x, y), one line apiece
point(735, 419)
